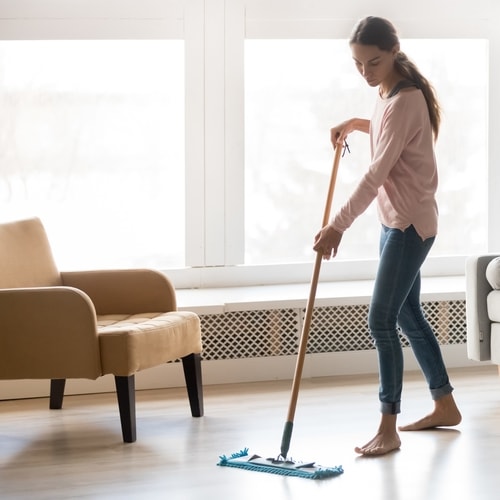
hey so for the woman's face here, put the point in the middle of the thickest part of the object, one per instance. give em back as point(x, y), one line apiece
point(376, 66)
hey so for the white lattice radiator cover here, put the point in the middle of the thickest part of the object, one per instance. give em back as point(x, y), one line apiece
point(275, 332)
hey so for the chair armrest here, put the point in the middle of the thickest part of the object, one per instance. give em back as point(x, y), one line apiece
point(124, 291)
point(478, 323)
point(48, 332)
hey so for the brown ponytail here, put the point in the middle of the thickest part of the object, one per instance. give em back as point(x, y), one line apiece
point(410, 72)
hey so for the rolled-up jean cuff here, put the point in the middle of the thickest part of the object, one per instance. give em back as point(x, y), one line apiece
point(441, 391)
point(390, 408)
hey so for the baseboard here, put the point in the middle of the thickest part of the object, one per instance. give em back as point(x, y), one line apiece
point(235, 371)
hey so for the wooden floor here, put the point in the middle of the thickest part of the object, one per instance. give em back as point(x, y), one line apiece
point(77, 452)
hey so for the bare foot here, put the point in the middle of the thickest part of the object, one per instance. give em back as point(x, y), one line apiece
point(379, 445)
point(385, 441)
point(445, 414)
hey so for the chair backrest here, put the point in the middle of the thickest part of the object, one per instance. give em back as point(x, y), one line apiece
point(26, 258)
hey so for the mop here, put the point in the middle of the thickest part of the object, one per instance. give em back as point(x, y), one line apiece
point(283, 465)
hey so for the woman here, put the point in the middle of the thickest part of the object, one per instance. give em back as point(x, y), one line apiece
point(402, 177)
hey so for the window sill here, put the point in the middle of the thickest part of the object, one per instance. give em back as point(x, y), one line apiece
point(245, 298)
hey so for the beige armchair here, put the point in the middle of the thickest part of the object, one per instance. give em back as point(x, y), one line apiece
point(60, 325)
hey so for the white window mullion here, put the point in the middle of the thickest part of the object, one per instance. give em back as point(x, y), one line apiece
point(234, 134)
point(214, 133)
point(194, 22)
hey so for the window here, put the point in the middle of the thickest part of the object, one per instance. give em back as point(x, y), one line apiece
point(193, 136)
point(92, 141)
point(295, 90)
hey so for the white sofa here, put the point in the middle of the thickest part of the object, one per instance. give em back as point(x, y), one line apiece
point(482, 277)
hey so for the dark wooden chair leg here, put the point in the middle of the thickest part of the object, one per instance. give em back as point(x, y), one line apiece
point(125, 393)
point(192, 373)
point(56, 393)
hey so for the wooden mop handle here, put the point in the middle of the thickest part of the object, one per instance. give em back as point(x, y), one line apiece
point(312, 293)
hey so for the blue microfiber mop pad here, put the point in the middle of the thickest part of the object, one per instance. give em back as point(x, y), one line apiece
point(308, 470)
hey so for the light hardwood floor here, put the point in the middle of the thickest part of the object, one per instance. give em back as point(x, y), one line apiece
point(77, 452)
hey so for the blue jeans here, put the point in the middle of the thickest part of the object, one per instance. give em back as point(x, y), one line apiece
point(396, 301)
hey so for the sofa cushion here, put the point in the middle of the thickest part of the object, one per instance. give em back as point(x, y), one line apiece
point(493, 273)
point(495, 343)
point(493, 305)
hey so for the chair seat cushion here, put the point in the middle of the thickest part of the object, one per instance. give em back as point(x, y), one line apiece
point(493, 304)
point(130, 343)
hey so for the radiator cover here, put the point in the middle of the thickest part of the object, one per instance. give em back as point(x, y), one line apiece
point(275, 332)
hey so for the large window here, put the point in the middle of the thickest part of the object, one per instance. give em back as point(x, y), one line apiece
point(92, 141)
point(193, 136)
point(295, 90)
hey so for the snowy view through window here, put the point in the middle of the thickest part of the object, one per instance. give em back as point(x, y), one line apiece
point(92, 141)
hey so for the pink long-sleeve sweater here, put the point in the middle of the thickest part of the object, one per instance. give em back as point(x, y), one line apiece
point(402, 174)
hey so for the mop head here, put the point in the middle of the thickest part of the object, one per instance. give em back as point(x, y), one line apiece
point(282, 467)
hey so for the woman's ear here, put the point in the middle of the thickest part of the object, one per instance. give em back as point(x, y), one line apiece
point(396, 49)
